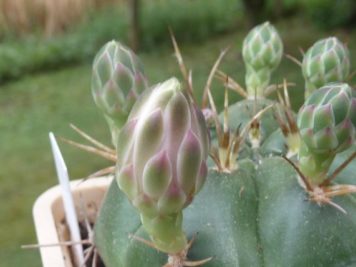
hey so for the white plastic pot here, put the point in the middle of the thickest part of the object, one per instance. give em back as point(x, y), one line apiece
point(49, 218)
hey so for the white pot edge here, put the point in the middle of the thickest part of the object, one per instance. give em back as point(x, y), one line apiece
point(44, 220)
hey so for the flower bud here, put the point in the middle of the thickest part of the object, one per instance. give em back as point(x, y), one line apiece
point(165, 143)
point(328, 60)
point(262, 52)
point(326, 125)
point(117, 81)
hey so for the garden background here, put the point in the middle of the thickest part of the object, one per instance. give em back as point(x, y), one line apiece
point(46, 50)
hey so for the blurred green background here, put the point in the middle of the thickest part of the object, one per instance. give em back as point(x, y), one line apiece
point(46, 48)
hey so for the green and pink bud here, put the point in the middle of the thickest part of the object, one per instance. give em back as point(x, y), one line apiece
point(162, 153)
point(326, 123)
point(262, 52)
point(328, 60)
point(117, 81)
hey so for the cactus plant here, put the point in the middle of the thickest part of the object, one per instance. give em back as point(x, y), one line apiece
point(250, 211)
point(326, 61)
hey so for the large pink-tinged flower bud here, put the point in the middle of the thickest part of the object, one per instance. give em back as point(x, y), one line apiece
point(162, 154)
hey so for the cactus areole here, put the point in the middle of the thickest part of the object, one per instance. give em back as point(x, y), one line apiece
point(162, 157)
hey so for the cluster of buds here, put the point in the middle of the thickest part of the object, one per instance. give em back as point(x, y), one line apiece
point(327, 123)
point(117, 81)
point(162, 152)
point(262, 52)
point(326, 61)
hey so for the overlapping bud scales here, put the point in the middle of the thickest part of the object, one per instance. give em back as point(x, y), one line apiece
point(117, 80)
point(262, 52)
point(327, 126)
point(162, 152)
point(326, 61)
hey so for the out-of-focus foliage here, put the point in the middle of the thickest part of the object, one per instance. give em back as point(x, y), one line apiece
point(190, 21)
point(48, 16)
point(329, 14)
point(282, 7)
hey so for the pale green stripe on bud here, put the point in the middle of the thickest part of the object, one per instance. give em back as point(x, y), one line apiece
point(157, 175)
point(189, 161)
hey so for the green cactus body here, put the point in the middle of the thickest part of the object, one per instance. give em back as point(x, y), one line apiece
point(241, 113)
point(326, 61)
point(262, 52)
point(297, 232)
point(258, 215)
point(251, 217)
point(326, 128)
point(223, 220)
point(118, 79)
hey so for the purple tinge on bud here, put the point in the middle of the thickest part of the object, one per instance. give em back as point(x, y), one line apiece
point(167, 147)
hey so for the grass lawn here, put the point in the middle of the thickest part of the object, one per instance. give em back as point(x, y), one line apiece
point(35, 105)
